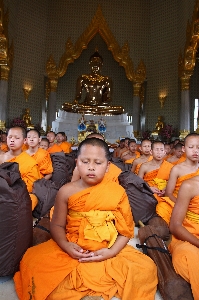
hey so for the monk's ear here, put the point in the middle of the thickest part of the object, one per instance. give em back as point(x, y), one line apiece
point(151, 151)
point(183, 149)
point(108, 165)
point(25, 140)
point(140, 148)
point(40, 140)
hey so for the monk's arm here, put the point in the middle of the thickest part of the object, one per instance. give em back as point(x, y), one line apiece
point(171, 184)
point(142, 171)
point(135, 163)
point(48, 176)
point(58, 225)
point(186, 193)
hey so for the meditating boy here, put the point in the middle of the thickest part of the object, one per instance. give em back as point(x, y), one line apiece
point(177, 156)
point(145, 150)
point(156, 172)
point(113, 171)
point(124, 150)
point(53, 147)
point(121, 146)
point(62, 142)
point(179, 173)
point(88, 255)
point(41, 156)
point(132, 153)
point(4, 146)
point(44, 144)
point(184, 226)
point(27, 165)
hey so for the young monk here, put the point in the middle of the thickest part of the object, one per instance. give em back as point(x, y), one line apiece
point(44, 144)
point(113, 171)
point(41, 156)
point(179, 173)
point(53, 147)
point(121, 146)
point(184, 226)
point(177, 156)
point(132, 154)
point(125, 150)
point(145, 150)
point(62, 142)
point(4, 146)
point(27, 165)
point(88, 254)
point(156, 172)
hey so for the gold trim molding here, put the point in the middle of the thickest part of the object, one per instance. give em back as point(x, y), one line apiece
point(6, 52)
point(120, 54)
point(186, 63)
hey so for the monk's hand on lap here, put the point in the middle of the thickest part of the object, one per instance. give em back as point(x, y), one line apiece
point(76, 251)
point(98, 255)
point(155, 190)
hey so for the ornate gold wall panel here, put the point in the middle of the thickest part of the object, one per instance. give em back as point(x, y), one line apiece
point(120, 54)
point(186, 62)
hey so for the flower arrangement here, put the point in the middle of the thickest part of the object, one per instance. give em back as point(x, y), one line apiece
point(18, 122)
point(146, 134)
point(167, 132)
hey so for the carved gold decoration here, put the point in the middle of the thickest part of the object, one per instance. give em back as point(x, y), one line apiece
point(162, 99)
point(26, 91)
point(51, 70)
point(2, 125)
point(186, 62)
point(183, 134)
point(136, 89)
point(121, 54)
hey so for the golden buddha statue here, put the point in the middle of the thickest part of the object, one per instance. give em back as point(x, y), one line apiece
point(98, 92)
point(159, 125)
point(27, 118)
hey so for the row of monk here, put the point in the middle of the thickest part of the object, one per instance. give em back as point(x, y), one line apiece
point(91, 223)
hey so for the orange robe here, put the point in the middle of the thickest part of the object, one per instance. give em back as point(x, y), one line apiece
point(139, 165)
point(4, 147)
point(44, 162)
point(25, 147)
point(162, 173)
point(130, 161)
point(185, 256)
point(66, 147)
point(29, 173)
point(180, 160)
point(165, 204)
point(112, 174)
point(47, 272)
point(54, 148)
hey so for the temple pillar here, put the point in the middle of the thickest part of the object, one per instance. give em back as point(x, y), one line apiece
point(136, 108)
point(51, 110)
point(3, 100)
point(185, 111)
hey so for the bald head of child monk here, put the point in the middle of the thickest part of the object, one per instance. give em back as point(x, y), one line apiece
point(44, 144)
point(145, 149)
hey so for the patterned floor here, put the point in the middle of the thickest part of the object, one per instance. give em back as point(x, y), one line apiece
point(7, 290)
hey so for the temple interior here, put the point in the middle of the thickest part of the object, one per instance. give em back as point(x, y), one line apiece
point(150, 57)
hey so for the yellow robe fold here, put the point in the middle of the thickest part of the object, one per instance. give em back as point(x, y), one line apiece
point(29, 173)
point(185, 256)
point(44, 162)
point(47, 272)
point(66, 147)
point(165, 204)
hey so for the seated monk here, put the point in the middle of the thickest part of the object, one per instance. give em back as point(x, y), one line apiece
point(125, 149)
point(156, 172)
point(4, 146)
point(88, 254)
point(119, 148)
point(177, 156)
point(179, 173)
point(113, 171)
point(132, 154)
point(44, 144)
point(27, 165)
point(167, 149)
point(145, 150)
point(62, 142)
point(41, 156)
point(184, 226)
point(53, 147)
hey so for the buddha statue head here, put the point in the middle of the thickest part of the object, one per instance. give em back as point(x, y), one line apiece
point(96, 62)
